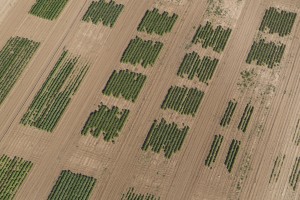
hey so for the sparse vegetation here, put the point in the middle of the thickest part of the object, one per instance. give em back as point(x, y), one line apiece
point(228, 113)
point(131, 195)
point(295, 174)
point(296, 137)
point(214, 150)
point(276, 168)
point(48, 9)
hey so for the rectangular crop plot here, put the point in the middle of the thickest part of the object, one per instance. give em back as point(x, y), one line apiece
point(192, 65)
point(132, 195)
point(246, 118)
point(266, 53)
point(14, 57)
point(168, 137)
point(53, 98)
point(125, 83)
point(12, 174)
point(214, 150)
point(183, 100)
point(278, 21)
point(295, 174)
point(48, 9)
point(210, 37)
point(228, 113)
point(107, 121)
point(154, 22)
point(276, 168)
point(72, 186)
point(105, 12)
point(144, 52)
point(231, 154)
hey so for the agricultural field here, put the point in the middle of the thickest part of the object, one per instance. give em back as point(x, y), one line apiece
point(150, 99)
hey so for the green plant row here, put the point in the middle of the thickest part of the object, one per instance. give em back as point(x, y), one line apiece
point(228, 113)
point(54, 96)
point(125, 83)
point(296, 137)
point(72, 186)
point(276, 168)
point(144, 52)
point(231, 154)
point(214, 150)
point(14, 57)
point(12, 174)
point(166, 136)
point(277, 21)
point(107, 121)
point(246, 118)
point(210, 37)
point(295, 174)
point(265, 53)
point(48, 9)
point(131, 195)
point(183, 100)
point(105, 12)
point(192, 66)
point(154, 22)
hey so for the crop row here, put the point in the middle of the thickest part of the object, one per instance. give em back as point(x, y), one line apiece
point(265, 53)
point(296, 137)
point(210, 37)
point(192, 66)
point(125, 83)
point(214, 150)
point(246, 117)
point(48, 9)
point(276, 21)
point(295, 174)
point(144, 52)
point(183, 100)
point(231, 154)
point(228, 113)
point(54, 96)
point(72, 186)
point(154, 22)
point(131, 195)
point(276, 168)
point(14, 57)
point(12, 173)
point(166, 136)
point(105, 12)
point(107, 121)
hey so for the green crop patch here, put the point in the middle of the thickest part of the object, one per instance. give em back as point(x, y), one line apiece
point(14, 57)
point(265, 53)
point(105, 12)
point(192, 65)
point(228, 113)
point(144, 52)
point(276, 168)
point(166, 136)
point(231, 154)
point(12, 174)
point(132, 195)
point(246, 118)
point(72, 186)
point(214, 150)
point(210, 37)
point(277, 21)
point(154, 22)
point(48, 9)
point(295, 174)
point(54, 96)
point(105, 120)
point(126, 84)
point(183, 100)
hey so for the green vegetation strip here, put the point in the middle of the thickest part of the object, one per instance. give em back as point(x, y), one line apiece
point(214, 150)
point(276, 169)
point(246, 118)
point(296, 137)
point(154, 22)
point(295, 174)
point(48, 9)
point(144, 52)
point(228, 113)
point(165, 136)
point(125, 83)
point(231, 154)
point(192, 66)
point(210, 37)
point(53, 98)
point(72, 186)
point(14, 57)
point(183, 100)
point(131, 195)
point(105, 12)
point(107, 121)
point(278, 21)
point(12, 174)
